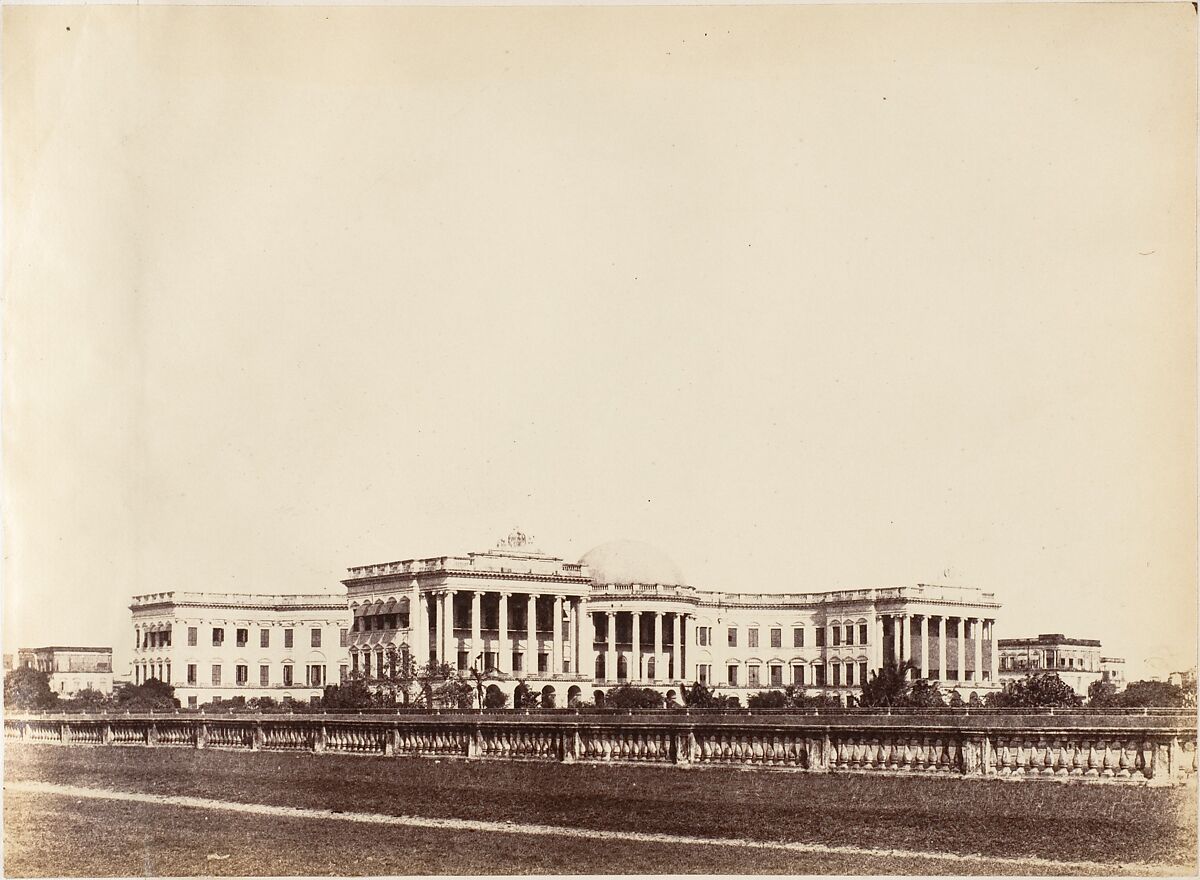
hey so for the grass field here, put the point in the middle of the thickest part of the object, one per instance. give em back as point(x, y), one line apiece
point(1111, 824)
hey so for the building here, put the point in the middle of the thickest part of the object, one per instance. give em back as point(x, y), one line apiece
point(624, 613)
point(71, 670)
point(1078, 662)
point(214, 646)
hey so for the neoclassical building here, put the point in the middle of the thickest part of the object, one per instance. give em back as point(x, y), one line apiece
point(215, 646)
point(624, 613)
point(1078, 662)
point(71, 669)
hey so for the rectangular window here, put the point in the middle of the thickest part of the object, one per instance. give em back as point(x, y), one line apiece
point(732, 672)
point(316, 638)
point(218, 636)
point(819, 675)
point(798, 676)
point(516, 660)
point(264, 638)
point(243, 636)
point(314, 675)
point(862, 672)
point(287, 676)
point(216, 673)
point(702, 670)
point(343, 638)
point(241, 674)
point(192, 702)
point(820, 631)
point(849, 634)
point(191, 673)
point(287, 638)
point(776, 676)
point(344, 673)
point(462, 660)
point(837, 635)
point(776, 638)
point(797, 637)
point(543, 662)
point(264, 676)
point(849, 674)
point(733, 636)
point(752, 637)
point(862, 633)
point(192, 636)
point(702, 636)
point(752, 676)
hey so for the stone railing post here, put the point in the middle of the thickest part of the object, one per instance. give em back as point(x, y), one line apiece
point(106, 733)
point(682, 744)
point(151, 734)
point(986, 755)
point(389, 741)
point(474, 740)
point(318, 745)
point(570, 745)
point(201, 735)
point(64, 733)
point(257, 737)
point(970, 756)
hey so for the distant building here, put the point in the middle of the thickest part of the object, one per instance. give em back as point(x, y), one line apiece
point(1078, 662)
point(215, 646)
point(71, 670)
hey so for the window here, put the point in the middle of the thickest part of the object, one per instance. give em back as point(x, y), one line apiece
point(243, 636)
point(241, 674)
point(517, 660)
point(837, 635)
point(819, 676)
point(191, 702)
point(287, 638)
point(287, 675)
point(316, 637)
point(752, 675)
point(543, 662)
point(797, 637)
point(849, 674)
point(191, 673)
point(314, 675)
point(862, 672)
point(264, 675)
point(462, 660)
point(216, 673)
point(192, 636)
point(862, 633)
point(820, 631)
point(837, 674)
point(264, 638)
point(752, 637)
point(343, 638)
point(704, 672)
point(776, 676)
point(732, 672)
point(776, 638)
point(849, 634)
point(218, 636)
point(344, 673)
point(702, 636)
point(733, 636)
point(798, 676)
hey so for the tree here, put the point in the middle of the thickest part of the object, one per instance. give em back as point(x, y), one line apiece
point(626, 696)
point(888, 686)
point(495, 699)
point(149, 696)
point(354, 693)
point(1140, 694)
point(525, 697)
point(700, 696)
point(925, 694)
point(768, 700)
point(28, 689)
point(88, 700)
point(1101, 694)
point(1040, 689)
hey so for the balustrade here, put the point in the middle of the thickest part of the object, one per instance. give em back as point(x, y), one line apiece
point(1168, 754)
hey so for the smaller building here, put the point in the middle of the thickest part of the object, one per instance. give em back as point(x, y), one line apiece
point(71, 670)
point(1076, 661)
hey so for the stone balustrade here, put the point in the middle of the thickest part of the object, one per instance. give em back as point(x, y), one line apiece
point(1159, 749)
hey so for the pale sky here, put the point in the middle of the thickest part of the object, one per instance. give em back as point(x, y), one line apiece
point(809, 298)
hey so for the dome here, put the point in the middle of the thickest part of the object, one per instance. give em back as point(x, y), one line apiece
point(631, 562)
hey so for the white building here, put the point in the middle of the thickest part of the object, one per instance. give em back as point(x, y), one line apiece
point(214, 646)
point(624, 613)
point(71, 670)
point(1077, 662)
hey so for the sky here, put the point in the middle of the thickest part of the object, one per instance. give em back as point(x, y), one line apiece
point(809, 298)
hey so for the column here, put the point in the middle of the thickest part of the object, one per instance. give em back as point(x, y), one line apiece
point(635, 657)
point(418, 628)
point(689, 639)
point(875, 644)
point(556, 644)
point(476, 626)
point(960, 647)
point(977, 632)
point(449, 654)
point(531, 650)
point(923, 656)
point(587, 641)
point(896, 639)
point(943, 630)
point(677, 665)
point(439, 625)
point(610, 656)
point(504, 650)
point(993, 653)
point(658, 651)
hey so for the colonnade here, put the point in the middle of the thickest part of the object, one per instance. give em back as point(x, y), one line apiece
point(902, 647)
point(637, 666)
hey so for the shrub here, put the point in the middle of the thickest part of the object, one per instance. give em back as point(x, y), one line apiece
point(495, 699)
point(28, 689)
point(626, 696)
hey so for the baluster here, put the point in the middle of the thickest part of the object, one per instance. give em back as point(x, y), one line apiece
point(1110, 760)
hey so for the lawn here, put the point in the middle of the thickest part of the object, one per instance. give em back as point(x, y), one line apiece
point(1114, 824)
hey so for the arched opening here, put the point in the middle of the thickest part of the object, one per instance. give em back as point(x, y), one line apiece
point(548, 697)
point(650, 670)
point(622, 668)
point(600, 674)
point(598, 697)
point(573, 695)
point(494, 698)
